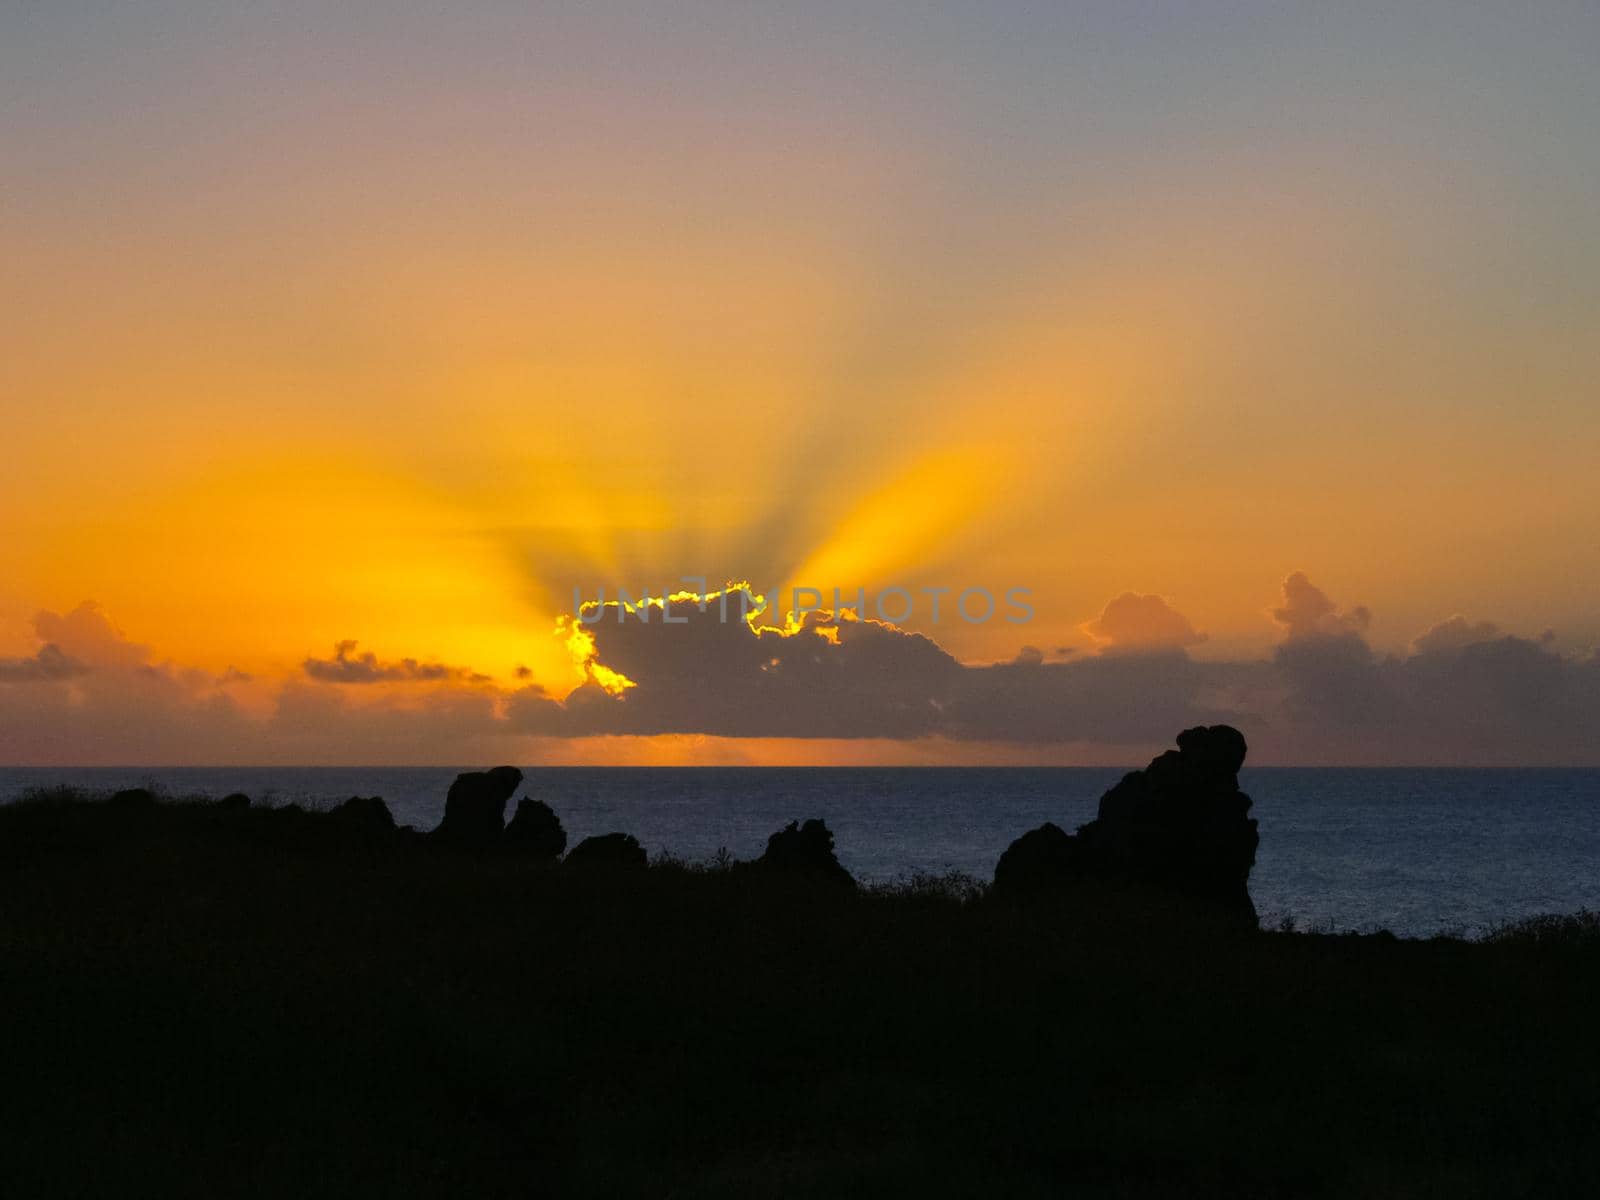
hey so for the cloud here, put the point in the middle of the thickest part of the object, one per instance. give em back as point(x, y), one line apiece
point(1467, 694)
point(844, 677)
point(1322, 695)
point(51, 663)
point(1306, 611)
point(1333, 680)
point(1509, 690)
point(346, 666)
point(87, 635)
point(698, 673)
point(113, 704)
point(314, 723)
point(1121, 699)
point(117, 705)
point(1132, 623)
point(1456, 633)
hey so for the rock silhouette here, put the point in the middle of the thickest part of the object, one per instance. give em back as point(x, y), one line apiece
point(1182, 823)
point(1179, 825)
point(805, 849)
point(479, 1024)
point(536, 830)
point(234, 802)
point(1042, 860)
point(366, 813)
point(133, 798)
point(608, 849)
point(475, 808)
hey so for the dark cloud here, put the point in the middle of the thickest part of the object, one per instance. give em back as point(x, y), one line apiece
point(848, 678)
point(50, 664)
point(1323, 694)
point(114, 704)
point(1124, 699)
point(346, 666)
point(315, 723)
point(1508, 693)
point(702, 674)
point(1455, 633)
point(87, 635)
point(1467, 693)
point(1333, 679)
point(119, 706)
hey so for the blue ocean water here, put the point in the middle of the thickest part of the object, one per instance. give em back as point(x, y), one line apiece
point(1416, 850)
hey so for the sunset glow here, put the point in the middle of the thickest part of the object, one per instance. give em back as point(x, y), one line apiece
point(312, 336)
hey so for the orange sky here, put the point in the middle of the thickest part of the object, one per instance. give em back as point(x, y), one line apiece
point(315, 330)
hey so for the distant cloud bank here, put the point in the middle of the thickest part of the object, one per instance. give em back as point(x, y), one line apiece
point(346, 666)
point(1466, 692)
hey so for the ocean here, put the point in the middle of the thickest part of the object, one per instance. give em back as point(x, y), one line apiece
point(1417, 851)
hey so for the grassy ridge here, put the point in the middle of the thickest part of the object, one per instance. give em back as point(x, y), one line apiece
point(208, 1003)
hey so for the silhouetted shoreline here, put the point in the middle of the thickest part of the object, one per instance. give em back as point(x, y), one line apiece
point(1417, 852)
point(219, 998)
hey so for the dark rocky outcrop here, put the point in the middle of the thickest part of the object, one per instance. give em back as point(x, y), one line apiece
point(234, 802)
point(475, 808)
point(535, 830)
point(1042, 860)
point(133, 798)
point(1181, 825)
point(366, 813)
point(807, 850)
point(609, 850)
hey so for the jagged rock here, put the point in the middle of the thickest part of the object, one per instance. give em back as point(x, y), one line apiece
point(475, 808)
point(365, 812)
point(286, 812)
point(1041, 860)
point(289, 825)
point(1180, 825)
point(133, 798)
point(805, 849)
point(536, 830)
point(234, 802)
point(609, 849)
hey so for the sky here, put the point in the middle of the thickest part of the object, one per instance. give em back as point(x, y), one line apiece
point(345, 349)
